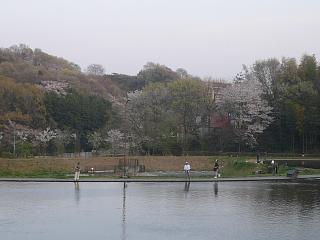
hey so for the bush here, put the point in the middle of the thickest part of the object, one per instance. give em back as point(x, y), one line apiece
point(243, 164)
point(6, 155)
point(24, 150)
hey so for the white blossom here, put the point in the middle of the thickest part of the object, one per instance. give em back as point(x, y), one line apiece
point(95, 139)
point(63, 136)
point(23, 136)
point(55, 86)
point(46, 135)
point(249, 113)
point(116, 139)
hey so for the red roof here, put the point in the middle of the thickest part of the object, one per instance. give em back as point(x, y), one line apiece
point(219, 121)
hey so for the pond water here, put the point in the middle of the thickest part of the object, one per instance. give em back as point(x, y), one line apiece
point(229, 210)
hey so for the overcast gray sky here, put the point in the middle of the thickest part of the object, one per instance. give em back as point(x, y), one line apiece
point(206, 37)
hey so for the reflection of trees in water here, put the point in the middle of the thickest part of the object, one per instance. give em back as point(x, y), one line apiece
point(306, 194)
point(290, 197)
point(124, 224)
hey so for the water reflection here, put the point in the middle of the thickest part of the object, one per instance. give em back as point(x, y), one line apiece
point(77, 192)
point(123, 224)
point(186, 186)
point(305, 194)
point(215, 188)
point(266, 210)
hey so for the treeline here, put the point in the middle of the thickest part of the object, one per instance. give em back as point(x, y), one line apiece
point(33, 121)
point(272, 106)
point(293, 90)
point(49, 106)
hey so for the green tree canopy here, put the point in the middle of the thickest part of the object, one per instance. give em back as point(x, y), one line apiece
point(77, 111)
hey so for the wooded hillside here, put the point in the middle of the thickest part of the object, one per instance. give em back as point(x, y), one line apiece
point(48, 105)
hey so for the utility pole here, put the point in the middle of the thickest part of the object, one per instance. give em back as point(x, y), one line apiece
point(125, 138)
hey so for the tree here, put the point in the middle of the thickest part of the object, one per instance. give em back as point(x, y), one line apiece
point(45, 136)
point(151, 119)
point(266, 73)
point(116, 139)
point(95, 69)
point(182, 73)
point(62, 139)
point(153, 72)
point(78, 112)
point(250, 114)
point(95, 139)
point(22, 103)
point(292, 90)
point(136, 114)
point(187, 103)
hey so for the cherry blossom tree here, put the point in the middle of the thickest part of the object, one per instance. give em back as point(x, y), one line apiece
point(150, 117)
point(45, 136)
point(62, 138)
point(22, 135)
point(55, 86)
point(95, 139)
point(250, 115)
point(116, 139)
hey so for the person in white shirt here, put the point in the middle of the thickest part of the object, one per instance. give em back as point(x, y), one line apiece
point(77, 172)
point(186, 169)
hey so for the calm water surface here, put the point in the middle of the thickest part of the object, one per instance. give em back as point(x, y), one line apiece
point(238, 210)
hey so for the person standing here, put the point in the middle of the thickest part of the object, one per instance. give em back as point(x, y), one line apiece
point(186, 169)
point(273, 167)
point(77, 172)
point(215, 169)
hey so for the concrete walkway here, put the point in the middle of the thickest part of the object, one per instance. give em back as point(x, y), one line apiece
point(269, 178)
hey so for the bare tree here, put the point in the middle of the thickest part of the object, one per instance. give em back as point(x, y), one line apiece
point(95, 69)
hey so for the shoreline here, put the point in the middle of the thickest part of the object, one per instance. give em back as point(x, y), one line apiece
point(159, 179)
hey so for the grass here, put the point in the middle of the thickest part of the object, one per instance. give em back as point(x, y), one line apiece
point(240, 166)
point(309, 171)
point(35, 174)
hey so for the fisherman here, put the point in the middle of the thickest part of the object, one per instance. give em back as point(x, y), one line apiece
point(186, 169)
point(215, 168)
point(77, 172)
point(273, 166)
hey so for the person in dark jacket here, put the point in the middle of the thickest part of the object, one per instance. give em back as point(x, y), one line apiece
point(215, 169)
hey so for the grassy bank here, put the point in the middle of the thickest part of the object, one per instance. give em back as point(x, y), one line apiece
point(62, 168)
point(34, 174)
